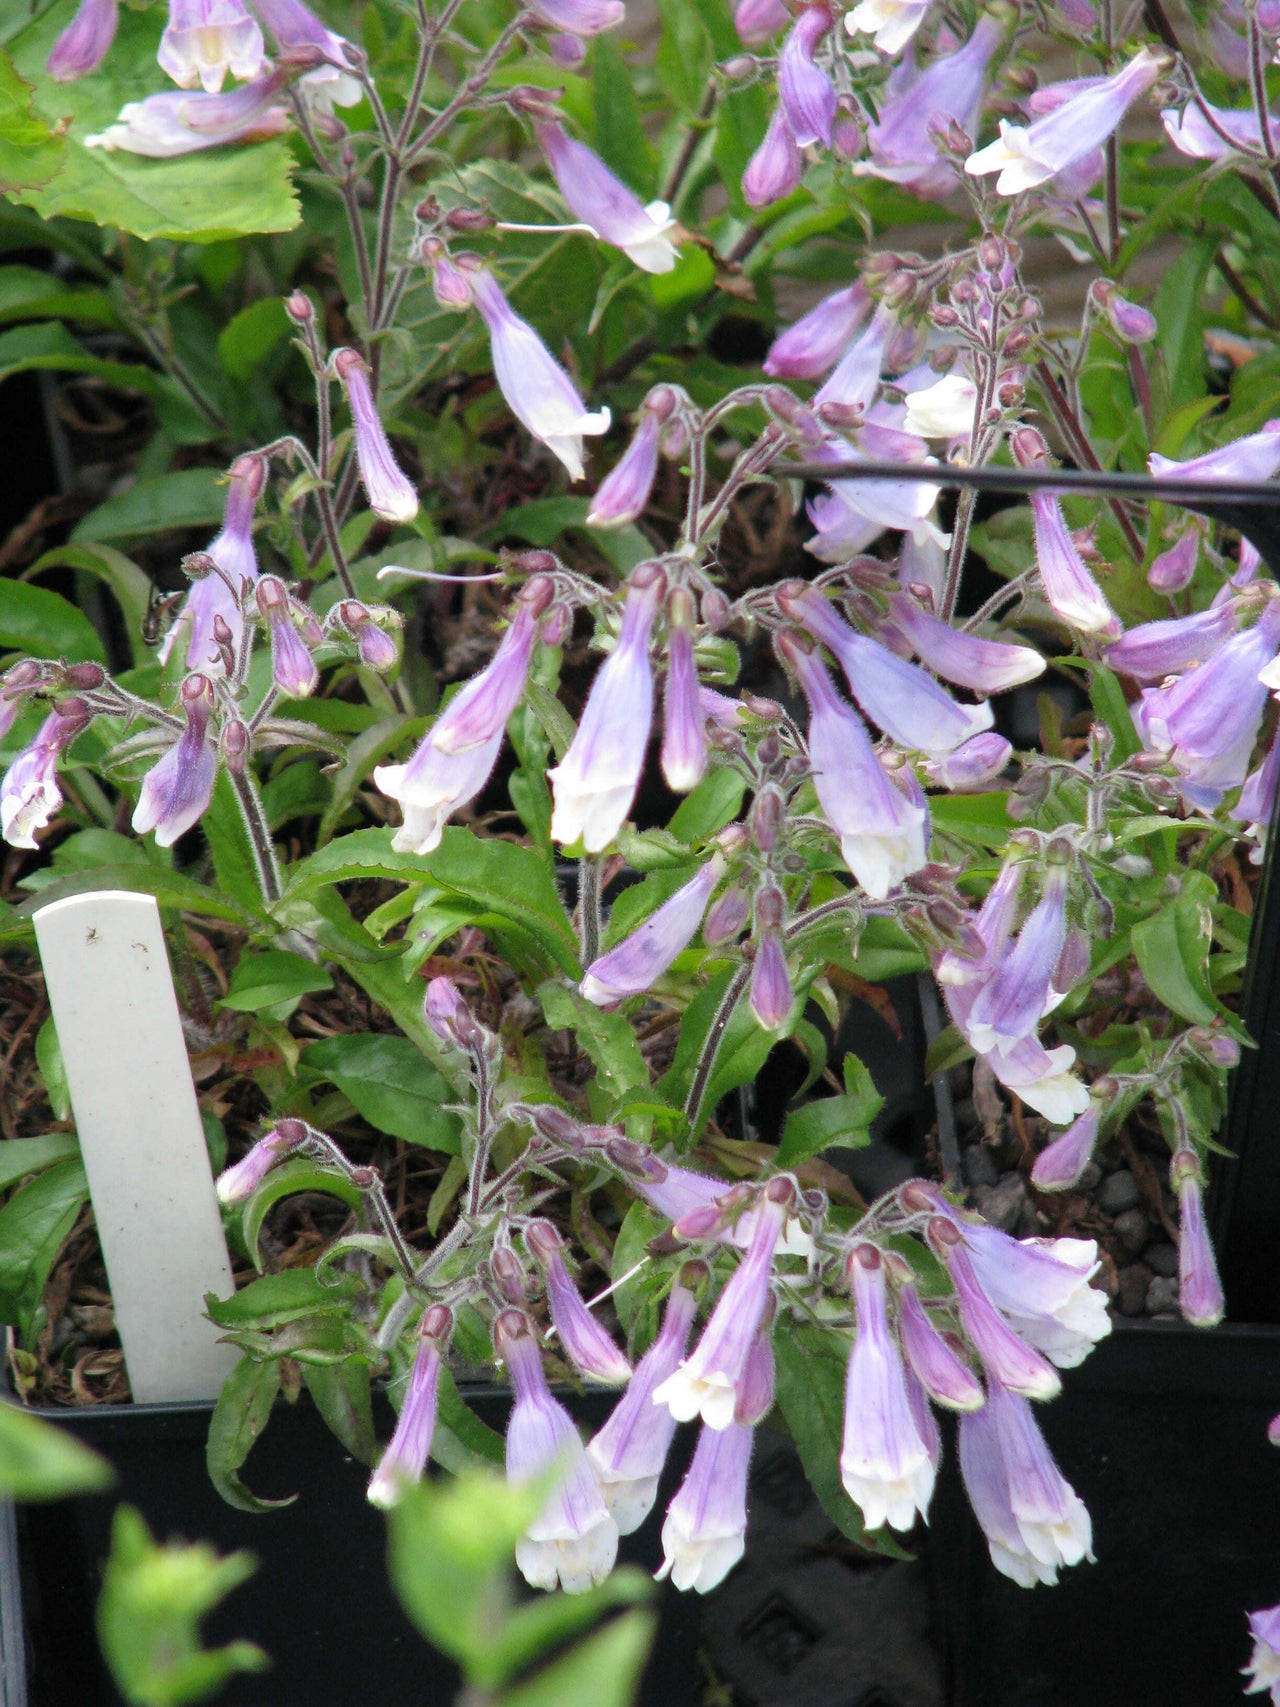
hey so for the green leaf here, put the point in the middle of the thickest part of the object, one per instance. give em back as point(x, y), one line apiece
point(1179, 308)
point(341, 1394)
point(607, 1038)
point(715, 802)
point(30, 151)
point(684, 57)
point(539, 1626)
point(274, 1299)
point(250, 336)
point(46, 345)
point(170, 888)
point(273, 977)
point(1172, 950)
point(620, 140)
point(34, 1224)
point(188, 498)
point(826, 1121)
point(462, 1442)
point(239, 1417)
point(812, 1363)
point(391, 1085)
point(212, 194)
point(20, 1157)
point(45, 625)
point(41, 1462)
point(602, 1671)
point(32, 293)
point(283, 1181)
point(132, 588)
point(52, 1070)
point(153, 1599)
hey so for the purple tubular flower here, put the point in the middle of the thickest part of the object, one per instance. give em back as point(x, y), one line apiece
point(587, 1345)
point(176, 791)
point(940, 1372)
point(773, 171)
point(604, 203)
point(1191, 133)
point(238, 1183)
point(1263, 1669)
point(903, 143)
point(682, 1191)
point(389, 492)
point(891, 23)
point(805, 90)
point(885, 1465)
point(906, 702)
point(405, 1458)
point(755, 1391)
point(857, 374)
point(1022, 991)
point(625, 490)
point(596, 780)
point(177, 122)
point(771, 995)
point(630, 1450)
point(727, 916)
point(1131, 323)
point(29, 794)
point(453, 763)
point(1042, 1078)
point(639, 960)
point(1200, 1296)
point(972, 765)
point(293, 669)
point(86, 41)
point(1034, 1521)
point(1257, 803)
point(1060, 1164)
point(579, 17)
point(1154, 650)
point(1069, 587)
point(206, 39)
point(707, 1383)
point(757, 20)
point(684, 725)
point(294, 25)
point(816, 342)
point(1173, 570)
point(1256, 457)
point(883, 837)
point(573, 1541)
point(537, 389)
point(985, 666)
point(1052, 144)
point(704, 1535)
point(1005, 1356)
point(1041, 1287)
point(232, 550)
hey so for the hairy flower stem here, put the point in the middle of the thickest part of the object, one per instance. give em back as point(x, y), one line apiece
point(589, 907)
point(265, 865)
point(711, 1044)
point(966, 503)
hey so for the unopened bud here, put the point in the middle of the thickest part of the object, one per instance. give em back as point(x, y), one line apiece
point(716, 610)
point(770, 908)
point(197, 564)
point(469, 219)
point(235, 745)
point(508, 1275)
point(543, 1241)
point(1029, 448)
point(83, 678)
point(557, 1126)
point(636, 1160)
point(767, 813)
point(436, 1323)
point(300, 308)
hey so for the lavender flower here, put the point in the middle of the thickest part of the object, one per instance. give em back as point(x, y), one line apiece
point(639, 960)
point(943, 410)
point(453, 763)
point(857, 374)
point(579, 17)
point(625, 490)
point(596, 780)
point(885, 1465)
point(773, 171)
point(806, 92)
point(604, 203)
point(212, 597)
point(1173, 570)
point(405, 1458)
point(238, 1183)
point(177, 790)
point(684, 725)
point(1023, 988)
point(1007, 1358)
point(1263, 1669)
point(1069, 587)
point(727, 916)
point(940, 1372)
point(573, 1541)
point(206, 39)
point(891, 23)
point(1192, 134)
point(681, 1191)
point(1256, 805)
point(816, 342)
point(536, 387)
point(1060, 1164)
point(86, 41)
point(293, 669)
point(1042, 1078)
point(706, 1383)
point(985, 666)
point(972, 766)
point(630, 1450)
point(755, 1390)
point(882, 835)
point(704, 1535)
point(294, 26)
point(1154, 650)
point(1199, 1289)
point(904, 142)
point(29, 794)
point(771, 996)
point(1041, 1287)
point(1032, 1517)
point(389, 492)
point(1255, 457)
point(757, 20)
point(172, 123)
point(907, 704)
point(588, 1346)
point(1052, 144)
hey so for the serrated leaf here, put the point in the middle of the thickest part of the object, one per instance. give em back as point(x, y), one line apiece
point(283, 1297)
point(391, 1085)
point(1172, 950)
point(607, 1038)
point(715, 802)
point(20, 1157)
point(341, 1395)
point(30, 152)
point(170, 888)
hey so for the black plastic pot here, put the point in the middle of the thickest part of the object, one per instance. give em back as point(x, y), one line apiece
point(320, 1604)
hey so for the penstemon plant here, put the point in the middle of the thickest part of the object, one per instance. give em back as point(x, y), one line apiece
point(856, 809)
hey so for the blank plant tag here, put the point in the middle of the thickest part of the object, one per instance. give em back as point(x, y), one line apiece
point(134, 1103)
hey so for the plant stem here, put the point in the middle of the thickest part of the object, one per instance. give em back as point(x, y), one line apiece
point(255, 822)
point(589, 907)
point(1081, 448)
point(693, 135)
point(711, 1043)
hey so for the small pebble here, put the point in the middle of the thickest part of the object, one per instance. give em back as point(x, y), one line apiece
point(1162, 1295)
point(1162, 1259)
point(1133, 1229)
point(1003, 1205)
point(980, 1166)
point(1089, 1178)
point(1135, 1284)
point(1118, 1192)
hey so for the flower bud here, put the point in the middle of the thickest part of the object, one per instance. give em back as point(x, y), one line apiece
point(300, 308)
point(235, 746)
